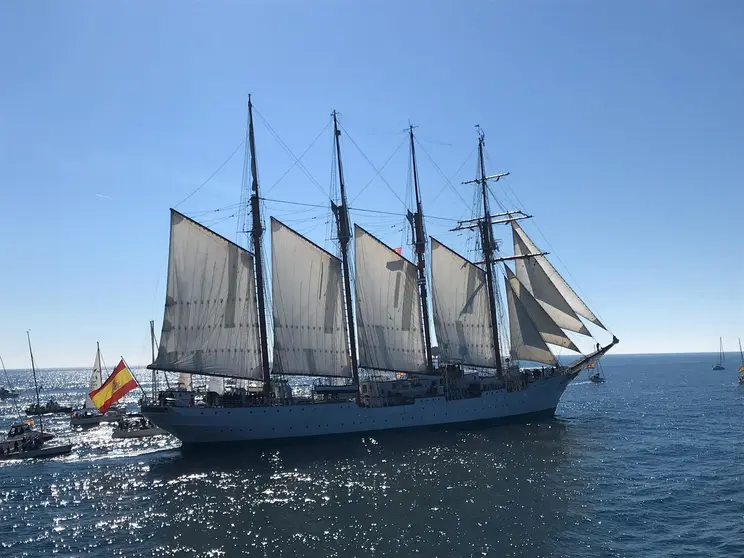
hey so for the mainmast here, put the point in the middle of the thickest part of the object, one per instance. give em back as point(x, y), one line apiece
point(256, 234)
point(419, 240)
point(344, 235)
point(488, 244)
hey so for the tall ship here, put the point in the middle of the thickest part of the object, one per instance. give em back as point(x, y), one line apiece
point(360, 324)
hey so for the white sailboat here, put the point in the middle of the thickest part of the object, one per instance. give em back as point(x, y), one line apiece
point(741, 366)
point(89, 414)
point(135, 425)
point(374, 346)
point(721, 364)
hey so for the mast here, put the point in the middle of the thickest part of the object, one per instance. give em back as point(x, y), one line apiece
point(419, 239)
point(152, 351)
point(257, 233)
point(36, 385)
point(344, 234)
point(487, 243)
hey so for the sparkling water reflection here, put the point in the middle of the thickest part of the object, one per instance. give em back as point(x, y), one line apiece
point(644, 465)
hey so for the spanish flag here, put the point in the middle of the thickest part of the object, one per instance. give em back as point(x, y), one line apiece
point(741, 369)
point(117, 386)
point(590, 366)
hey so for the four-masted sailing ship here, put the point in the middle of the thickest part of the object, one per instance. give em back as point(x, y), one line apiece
point(372, 340)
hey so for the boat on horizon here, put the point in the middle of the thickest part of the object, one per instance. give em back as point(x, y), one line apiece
point(9, 392)
point(369, 348)
point(721, 364)
point(596, 375)
point(741, 366)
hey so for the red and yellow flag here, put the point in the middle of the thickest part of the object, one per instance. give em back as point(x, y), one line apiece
point(590, 366)
point(117, 386)
point(741, 369)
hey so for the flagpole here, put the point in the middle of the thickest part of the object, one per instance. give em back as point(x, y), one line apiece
point(133, 376)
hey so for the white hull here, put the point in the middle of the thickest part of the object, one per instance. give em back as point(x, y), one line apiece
point(86, 421)
point(144, 433)
point(200, 424)
point(94, 420)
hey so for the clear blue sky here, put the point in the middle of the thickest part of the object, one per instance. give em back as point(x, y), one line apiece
point(622, 124)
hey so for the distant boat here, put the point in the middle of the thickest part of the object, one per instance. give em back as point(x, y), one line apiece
point(51, 407)
point(24, 443)
point(4, 392)
point(721, 364)
point(89, 415)
point(741, 368)
point(132, 427)
point(595, 375)
point(7, 393)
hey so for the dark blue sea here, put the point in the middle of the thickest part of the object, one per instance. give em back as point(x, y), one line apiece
point(648, 464)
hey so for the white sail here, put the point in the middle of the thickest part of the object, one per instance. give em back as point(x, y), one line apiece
point(309, 327)
point(210, 325)
point(462, 317)
point(216, 385)
point(548, 287)
point(526, 341)
point(548, 329)
point(96, 381)
point(388, 307)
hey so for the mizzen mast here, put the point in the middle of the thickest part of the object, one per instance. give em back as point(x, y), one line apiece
point(257, 234)
point(344, 235)
point(419, 240)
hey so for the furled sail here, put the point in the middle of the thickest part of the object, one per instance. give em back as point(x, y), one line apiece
point(539, 276)
point(211, 320)
point(526, 341)
point(95, 381)
point(546, 327)
point(462, 318)
point(309, 328)
point(388, 307)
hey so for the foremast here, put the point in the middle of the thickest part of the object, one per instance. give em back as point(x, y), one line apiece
point(419, 241)
point(343, 227)
point(256, 235)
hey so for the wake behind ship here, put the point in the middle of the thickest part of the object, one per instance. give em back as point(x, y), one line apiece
point(367, 342)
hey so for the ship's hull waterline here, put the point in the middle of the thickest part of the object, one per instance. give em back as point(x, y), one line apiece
point(204, 425)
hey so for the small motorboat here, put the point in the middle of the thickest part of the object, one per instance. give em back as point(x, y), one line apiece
point(91, 417)
point(51, 407)
point(8, 394)
point(136, 427)
point(20, 431)
point(31, 448)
